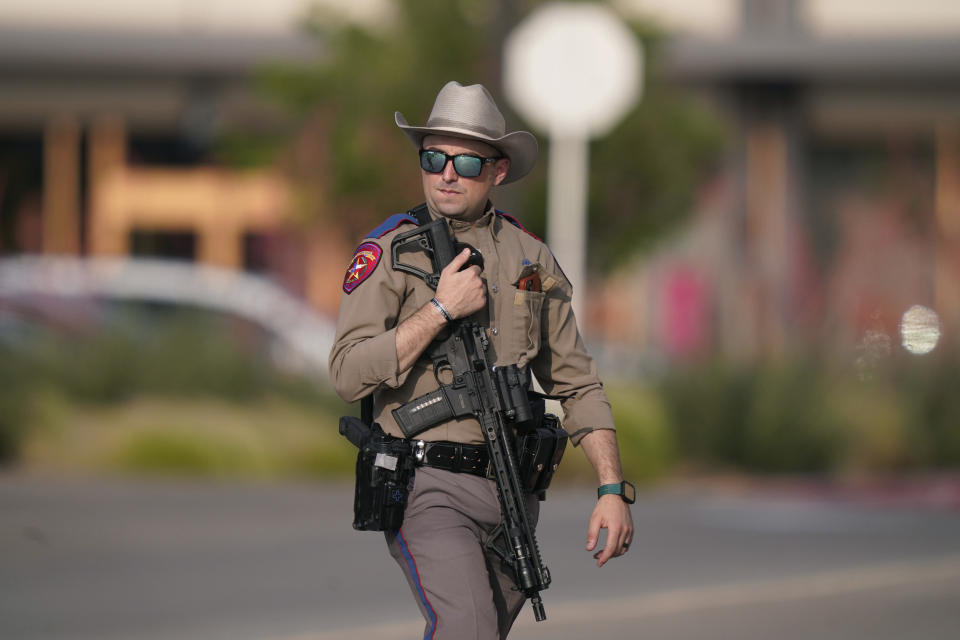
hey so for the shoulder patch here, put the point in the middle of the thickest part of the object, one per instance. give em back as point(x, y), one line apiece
point(517, 224)
point(390, 224)
point(365, 260)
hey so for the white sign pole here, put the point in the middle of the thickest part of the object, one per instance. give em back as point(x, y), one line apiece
point(573, 70)
point(567, 209)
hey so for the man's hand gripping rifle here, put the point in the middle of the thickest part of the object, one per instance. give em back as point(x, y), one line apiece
point(497, 398)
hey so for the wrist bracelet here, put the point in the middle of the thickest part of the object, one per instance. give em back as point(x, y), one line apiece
point(441, 309)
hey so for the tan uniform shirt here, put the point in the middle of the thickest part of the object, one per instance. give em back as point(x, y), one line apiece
point(535, 328)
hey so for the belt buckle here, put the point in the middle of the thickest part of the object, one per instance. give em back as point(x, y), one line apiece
point(419, 450)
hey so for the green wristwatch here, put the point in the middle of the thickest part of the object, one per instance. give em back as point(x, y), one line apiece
point(623, 489)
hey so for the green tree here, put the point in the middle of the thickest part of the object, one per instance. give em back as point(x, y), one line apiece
point(645, 173)
point(354, 167)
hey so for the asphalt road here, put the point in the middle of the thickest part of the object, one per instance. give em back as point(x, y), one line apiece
point(139, 560)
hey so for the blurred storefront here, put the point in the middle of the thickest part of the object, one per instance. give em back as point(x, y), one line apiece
point(107, 148)
point(838, 207)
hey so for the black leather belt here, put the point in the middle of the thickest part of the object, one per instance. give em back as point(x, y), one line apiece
point(453, 456)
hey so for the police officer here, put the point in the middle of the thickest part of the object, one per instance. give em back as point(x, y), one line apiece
point(389, 317)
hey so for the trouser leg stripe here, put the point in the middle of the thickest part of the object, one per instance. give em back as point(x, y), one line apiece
point(412, 565)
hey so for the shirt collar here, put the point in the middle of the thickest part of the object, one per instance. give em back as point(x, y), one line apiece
point(483, 221)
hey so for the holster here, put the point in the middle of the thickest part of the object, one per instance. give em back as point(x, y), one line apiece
point(385, 468)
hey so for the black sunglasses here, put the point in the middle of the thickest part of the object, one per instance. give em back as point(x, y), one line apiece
point(466, 165)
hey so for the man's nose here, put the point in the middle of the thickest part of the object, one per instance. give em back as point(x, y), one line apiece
point(449, 173)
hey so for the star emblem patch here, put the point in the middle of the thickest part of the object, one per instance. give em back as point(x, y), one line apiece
point(365, 260)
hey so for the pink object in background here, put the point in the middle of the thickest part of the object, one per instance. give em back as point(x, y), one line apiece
point(684, 312)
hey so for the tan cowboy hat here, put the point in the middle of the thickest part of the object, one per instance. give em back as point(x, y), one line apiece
point(471, 113)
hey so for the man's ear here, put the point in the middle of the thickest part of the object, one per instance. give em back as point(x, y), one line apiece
point(500, 170)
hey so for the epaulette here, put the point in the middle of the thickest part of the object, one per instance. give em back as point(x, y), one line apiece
point(390, 224)
point(516, 223)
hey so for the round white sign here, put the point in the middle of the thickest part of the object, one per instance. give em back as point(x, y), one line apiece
point(572, 70)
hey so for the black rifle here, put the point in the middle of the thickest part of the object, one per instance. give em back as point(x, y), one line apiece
point(492, 395)
point(513, 540)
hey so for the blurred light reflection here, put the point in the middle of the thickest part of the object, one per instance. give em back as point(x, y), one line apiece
point(920, 329)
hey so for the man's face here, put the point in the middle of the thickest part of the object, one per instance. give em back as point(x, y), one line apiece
point(452, 195)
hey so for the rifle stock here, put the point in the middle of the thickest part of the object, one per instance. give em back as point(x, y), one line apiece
point(433, 238)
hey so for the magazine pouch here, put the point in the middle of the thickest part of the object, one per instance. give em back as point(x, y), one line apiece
point(539, 451)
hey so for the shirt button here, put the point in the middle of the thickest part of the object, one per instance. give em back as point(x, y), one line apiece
point(495, 288)
point(495, 331)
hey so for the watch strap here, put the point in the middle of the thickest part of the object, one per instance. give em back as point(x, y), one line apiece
point(618, 489)
point(608, 489)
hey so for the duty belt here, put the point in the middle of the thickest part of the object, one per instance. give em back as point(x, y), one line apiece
point(453, 456)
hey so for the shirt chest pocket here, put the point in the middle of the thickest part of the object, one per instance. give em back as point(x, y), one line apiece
point(524, 339)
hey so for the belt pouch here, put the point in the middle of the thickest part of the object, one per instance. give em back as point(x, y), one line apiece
point(384, 475)
point(540, 451)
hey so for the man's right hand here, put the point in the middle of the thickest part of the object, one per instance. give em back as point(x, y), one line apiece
point(461, 292)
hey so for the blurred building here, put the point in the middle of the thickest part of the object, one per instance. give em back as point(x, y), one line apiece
point(838, 206)
point(108, 117)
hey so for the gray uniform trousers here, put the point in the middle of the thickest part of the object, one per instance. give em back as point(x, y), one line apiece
point(462, 590)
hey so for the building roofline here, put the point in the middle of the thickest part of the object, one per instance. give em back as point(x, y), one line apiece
point(806, 59)
point(31, 51)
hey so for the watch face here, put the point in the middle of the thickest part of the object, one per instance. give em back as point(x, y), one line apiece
point(629, 492)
